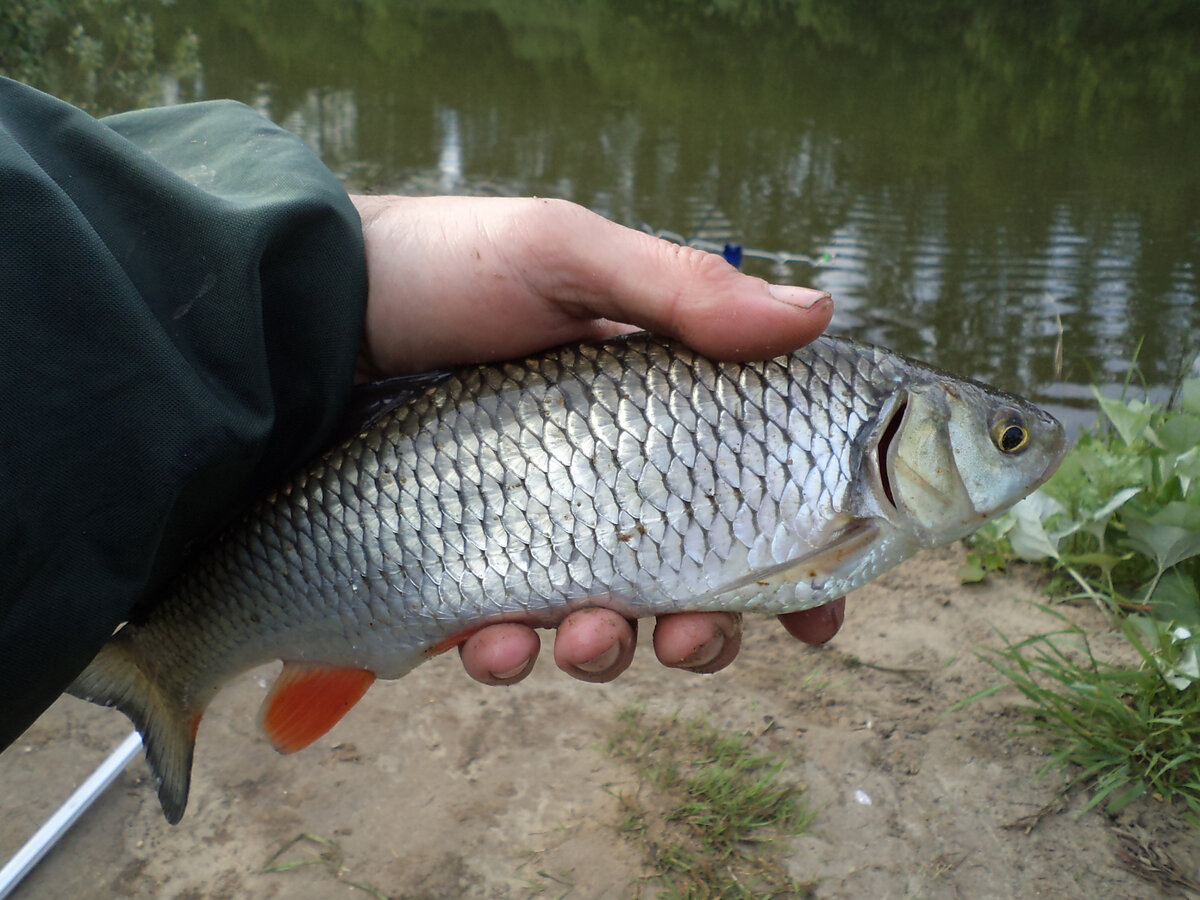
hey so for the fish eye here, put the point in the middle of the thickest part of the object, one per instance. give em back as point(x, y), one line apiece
point(1009, 433)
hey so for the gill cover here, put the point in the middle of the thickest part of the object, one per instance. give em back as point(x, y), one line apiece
point(953, 455)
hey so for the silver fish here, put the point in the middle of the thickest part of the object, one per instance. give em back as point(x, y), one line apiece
point(632, 473)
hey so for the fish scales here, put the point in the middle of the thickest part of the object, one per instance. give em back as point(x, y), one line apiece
point(632, 473)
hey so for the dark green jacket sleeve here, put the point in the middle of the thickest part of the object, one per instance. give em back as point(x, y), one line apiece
point(181, 299)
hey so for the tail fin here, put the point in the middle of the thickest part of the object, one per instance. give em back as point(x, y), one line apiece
point(168, 728)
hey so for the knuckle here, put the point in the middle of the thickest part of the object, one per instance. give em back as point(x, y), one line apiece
point(699, 275)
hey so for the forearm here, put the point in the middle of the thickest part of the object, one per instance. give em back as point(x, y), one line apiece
point(181, 300)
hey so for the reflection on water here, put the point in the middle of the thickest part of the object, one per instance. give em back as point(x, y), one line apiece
point(961, 183)
point(326, 119)
point(450, 151)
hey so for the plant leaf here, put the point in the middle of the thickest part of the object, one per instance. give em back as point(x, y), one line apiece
point(1170, 536)
point(1189, 396)
point(1029, 538)
point(1178, 601)
point(1130, 419)
point(972, 571)
point(1119, 499)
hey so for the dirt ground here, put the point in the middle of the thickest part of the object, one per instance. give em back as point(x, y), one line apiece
point(436, 787)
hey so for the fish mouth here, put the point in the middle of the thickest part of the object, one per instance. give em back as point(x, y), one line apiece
point(1060, 450)
point(1062, 445)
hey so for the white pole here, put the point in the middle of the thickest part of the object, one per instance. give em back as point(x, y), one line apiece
point(56, 826)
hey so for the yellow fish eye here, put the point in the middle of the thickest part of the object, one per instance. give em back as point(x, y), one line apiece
point(1009, 433)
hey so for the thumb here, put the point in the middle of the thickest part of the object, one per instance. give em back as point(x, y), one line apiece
point(595, 268)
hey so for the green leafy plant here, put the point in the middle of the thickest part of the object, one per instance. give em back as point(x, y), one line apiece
point(1121, 517)
point(1118, 525)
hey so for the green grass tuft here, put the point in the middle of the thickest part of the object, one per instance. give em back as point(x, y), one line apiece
point(330, 857)
point(1125, 731)
point(716, 809)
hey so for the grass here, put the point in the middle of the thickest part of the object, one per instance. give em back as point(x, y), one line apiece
point(1125, 731)
point(330, 857)
point(1117, 526)
point(710, 810)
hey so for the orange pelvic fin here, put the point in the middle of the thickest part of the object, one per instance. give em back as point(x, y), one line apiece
point(308, 699)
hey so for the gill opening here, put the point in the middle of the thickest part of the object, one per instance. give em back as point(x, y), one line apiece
point(884, 446)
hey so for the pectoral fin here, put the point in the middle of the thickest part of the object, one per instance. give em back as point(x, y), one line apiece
point(824, 562)
point(307, 700)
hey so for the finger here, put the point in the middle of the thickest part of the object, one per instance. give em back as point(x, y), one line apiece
point(698, 642)
point(595, 644)
point(817, 625)
point(500, 654)
point(604, 270)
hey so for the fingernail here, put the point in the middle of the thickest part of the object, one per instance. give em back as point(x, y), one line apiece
point(804, 298)
point(513, 673)
point(601, 663)
point(705, 653)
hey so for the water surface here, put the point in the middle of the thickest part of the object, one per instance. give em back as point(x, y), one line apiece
point(965, 185)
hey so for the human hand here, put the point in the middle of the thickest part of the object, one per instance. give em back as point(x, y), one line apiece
point(457, 280)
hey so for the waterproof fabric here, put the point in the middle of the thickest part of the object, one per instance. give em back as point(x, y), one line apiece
point(181, 305)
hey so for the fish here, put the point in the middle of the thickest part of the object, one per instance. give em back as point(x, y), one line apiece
point(631, 473)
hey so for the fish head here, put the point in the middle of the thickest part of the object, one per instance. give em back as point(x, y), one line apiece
point(949, 455)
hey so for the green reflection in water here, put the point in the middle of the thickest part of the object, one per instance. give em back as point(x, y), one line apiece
point(960, 176)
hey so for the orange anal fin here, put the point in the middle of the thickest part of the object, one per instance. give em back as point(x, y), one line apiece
point(307, 700)
point(455, 640)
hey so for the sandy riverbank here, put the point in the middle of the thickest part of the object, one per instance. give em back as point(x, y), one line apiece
point(435, 787)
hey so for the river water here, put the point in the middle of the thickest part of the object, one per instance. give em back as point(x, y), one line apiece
point(973, 188)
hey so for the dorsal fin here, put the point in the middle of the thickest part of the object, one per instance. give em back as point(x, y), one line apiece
point(368, 402)
point(308, 699)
